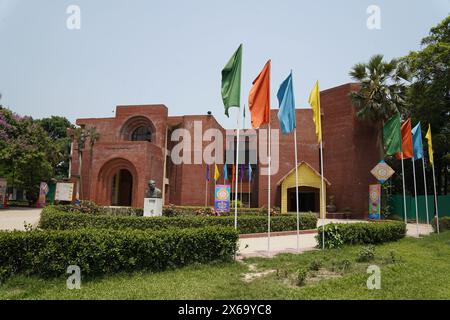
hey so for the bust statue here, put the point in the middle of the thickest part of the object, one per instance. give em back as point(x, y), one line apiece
point(153, 191)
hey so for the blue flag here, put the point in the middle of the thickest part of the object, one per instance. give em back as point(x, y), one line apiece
point(225, 172)
point(207, 172)
point(417, 142)
point(250, 172)
point(286, 115)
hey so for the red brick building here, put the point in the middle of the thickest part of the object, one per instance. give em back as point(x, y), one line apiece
point(136, 145)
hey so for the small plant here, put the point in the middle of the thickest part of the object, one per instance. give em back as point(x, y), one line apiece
point(366, 254)
point(345, 265)
point(28, 227)
point(315, 265)
point(302, 274)
point(392, 257)
point(341, 266)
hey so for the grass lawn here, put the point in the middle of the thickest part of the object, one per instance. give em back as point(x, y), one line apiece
point(420, 270)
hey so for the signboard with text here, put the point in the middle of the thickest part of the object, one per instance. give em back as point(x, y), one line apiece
point(222, 198)
point(64, 192)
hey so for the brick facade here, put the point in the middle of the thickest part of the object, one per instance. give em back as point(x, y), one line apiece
point(347, 155)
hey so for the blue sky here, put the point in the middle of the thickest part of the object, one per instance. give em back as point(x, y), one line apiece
point(172, 52)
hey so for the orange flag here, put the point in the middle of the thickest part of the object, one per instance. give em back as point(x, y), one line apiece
point(407, 141)
point(259, 100)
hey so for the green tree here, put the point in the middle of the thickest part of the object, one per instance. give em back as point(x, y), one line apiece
point(428, 98)
point(56, 128)
point(381, 93)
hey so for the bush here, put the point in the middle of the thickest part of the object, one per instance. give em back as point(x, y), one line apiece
point(98, 252)
point(53, 219)
point(362, 233)
point(315, 265)
point(444, 224)
point(366, 254)
point(302, 274)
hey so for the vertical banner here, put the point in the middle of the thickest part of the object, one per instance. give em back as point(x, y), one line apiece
point(43, 190)
point(375, 201)
point(222, 198)
point(3, 185)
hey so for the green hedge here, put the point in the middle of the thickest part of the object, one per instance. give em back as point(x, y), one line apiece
point(444, 224)
point(98, 252)
point(53, 219)
point(361, 233)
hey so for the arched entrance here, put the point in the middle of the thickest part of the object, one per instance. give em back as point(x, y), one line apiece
point(122, 189)
point(117, 184)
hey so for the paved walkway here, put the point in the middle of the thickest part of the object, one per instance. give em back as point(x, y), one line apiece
point(257, 247)
point(14, 218)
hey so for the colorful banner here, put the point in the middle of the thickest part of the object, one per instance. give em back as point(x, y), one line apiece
point(43, 190)
point(222, 200)
point(3, 185)
point(375, 201)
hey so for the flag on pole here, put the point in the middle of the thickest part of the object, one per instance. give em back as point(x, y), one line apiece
point(231, 81)
point(417, 142)
point(314, 101)
point(286, 114)
point(250, 172)
point(430, 145)
point(234, 173)
point(259, 99)
point(225, 172)
point(241, 172)
point(392, 137)
point(207, 172)
point(216, 173)
point(407, 141)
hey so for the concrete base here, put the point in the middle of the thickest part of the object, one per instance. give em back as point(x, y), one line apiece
point(153, 207)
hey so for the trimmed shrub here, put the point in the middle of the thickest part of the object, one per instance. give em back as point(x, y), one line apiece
point(53, 219)
point(444, 224)
point(362, 233)
point(98, 252)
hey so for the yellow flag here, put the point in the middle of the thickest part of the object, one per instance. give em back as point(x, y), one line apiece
point(216, 173)
point(430, 145)
point(314, 101)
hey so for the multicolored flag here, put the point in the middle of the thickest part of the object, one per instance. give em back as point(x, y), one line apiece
point(231, 82)
point(392, 136)
point(430, 145)
point(314, 101)
point(417, 142)
point(286, 115)
point(407, 141)
point(259, 99)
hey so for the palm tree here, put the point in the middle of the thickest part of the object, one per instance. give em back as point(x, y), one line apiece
point(381, 93)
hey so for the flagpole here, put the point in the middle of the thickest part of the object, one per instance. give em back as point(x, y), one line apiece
point(435, 200)
point(404, 192)
point(323, 195)
point(426, 190)
point(236, 176)
point(296, 190)
point(415, 196)
point(268, 198)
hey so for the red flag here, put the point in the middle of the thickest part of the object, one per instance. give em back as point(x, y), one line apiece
point(259, 100)
point(407, 141)
point(234, 173)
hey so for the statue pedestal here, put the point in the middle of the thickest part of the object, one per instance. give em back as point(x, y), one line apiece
point(153, 207)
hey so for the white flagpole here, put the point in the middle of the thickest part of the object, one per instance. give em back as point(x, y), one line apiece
point(296, 190)
point(415, 195)
point(236, 191)
point(426, 190)
point(435, 200)
point(404, 192)
point(322, 206)
point(268, 195)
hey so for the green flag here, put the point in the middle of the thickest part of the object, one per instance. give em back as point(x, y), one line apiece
point(392, 136)
point(231, 81)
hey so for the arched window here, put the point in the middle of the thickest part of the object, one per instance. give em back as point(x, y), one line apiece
point(142, 133)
